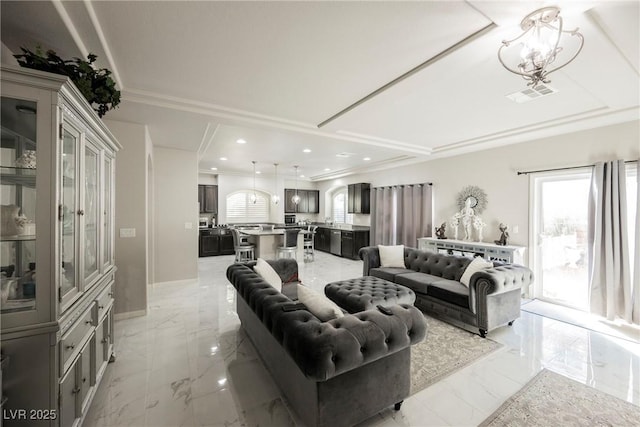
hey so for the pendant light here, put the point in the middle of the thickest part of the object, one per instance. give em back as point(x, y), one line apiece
point(254, 198)
point(296, 199)
point(276, 198)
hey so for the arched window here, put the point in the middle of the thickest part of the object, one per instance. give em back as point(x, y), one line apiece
point(240, 208)
point(339, 207)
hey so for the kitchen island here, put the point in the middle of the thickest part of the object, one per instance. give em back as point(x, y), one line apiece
point(267, 242)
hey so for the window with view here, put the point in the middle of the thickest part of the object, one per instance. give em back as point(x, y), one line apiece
point(241, 209)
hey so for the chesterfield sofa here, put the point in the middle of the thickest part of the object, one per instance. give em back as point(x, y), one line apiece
point(491, 300)
point(334, 373)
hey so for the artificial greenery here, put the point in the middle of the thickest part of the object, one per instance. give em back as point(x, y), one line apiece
point(96, 85)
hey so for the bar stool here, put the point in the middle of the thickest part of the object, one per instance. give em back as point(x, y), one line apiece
point(308, 244)
point(289, 247)
point(244, 250)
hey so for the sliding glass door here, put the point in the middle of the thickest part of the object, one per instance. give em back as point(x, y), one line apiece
point(560, 217)
point(559, 211)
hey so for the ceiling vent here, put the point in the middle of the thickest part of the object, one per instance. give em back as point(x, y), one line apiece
point(532, 93)
point(344, 154)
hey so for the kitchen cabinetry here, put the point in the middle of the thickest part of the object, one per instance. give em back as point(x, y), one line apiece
point(309, 201)
point(359, 198)
point(57, 184)
point(208, 198)
point(346, 243)
point(322, 240)
point(213, 242)
point(353, 241)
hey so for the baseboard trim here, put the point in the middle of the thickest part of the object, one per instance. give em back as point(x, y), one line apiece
point(174, 282)
point(130, 314)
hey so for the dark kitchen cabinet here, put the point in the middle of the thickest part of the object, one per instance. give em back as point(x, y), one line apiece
point(309, 201)
point(346, 245)
point(313, 200)
point(353, 241)
point(359, 198)
point(323, 239)
point(226, 244)
point(209, 243)
point(208, 198)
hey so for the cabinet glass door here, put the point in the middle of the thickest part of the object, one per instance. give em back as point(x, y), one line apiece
point(68, 214)
point(106, 213)
point(18, 199)
point(91, 212)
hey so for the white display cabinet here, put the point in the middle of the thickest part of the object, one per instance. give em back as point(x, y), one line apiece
point(57, 169)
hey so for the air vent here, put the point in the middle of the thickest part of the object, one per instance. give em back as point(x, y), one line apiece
point(532, 93)
point(345, 154)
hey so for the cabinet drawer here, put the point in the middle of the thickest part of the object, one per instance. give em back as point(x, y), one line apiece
point(72, 341)
point(104, 301)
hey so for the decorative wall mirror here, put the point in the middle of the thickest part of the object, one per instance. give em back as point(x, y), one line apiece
point(477, 198)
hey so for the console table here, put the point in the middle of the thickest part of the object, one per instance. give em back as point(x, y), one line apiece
point(509, 254)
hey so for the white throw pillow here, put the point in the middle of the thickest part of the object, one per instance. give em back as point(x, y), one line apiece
point(477, 264)
point(321, 307)
point(391, 256)
point(264, 269)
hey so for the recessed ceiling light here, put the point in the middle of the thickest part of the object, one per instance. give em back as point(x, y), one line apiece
point(241, 141)
point(258, 172)
point(306, 150)
point(327, 169)
point(301, 176)
point(214, 169)
point(366, 159)
point(223, 158)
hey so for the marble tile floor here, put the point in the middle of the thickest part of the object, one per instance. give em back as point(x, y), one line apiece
point(188, 363)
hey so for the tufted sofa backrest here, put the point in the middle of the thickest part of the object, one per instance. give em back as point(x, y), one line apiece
point(446, 266)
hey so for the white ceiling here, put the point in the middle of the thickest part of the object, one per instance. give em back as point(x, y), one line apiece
point(203, 74)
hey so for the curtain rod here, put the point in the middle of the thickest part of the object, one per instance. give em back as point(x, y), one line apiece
point(566, 168)
point(402, 185)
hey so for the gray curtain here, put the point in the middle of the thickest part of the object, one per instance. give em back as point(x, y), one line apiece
point(610, 293)
point(401, 214)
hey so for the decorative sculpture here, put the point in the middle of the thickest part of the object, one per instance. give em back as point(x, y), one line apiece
point(440, 231)
point(467, 214)
point(479, 225)
point(455, 221)
point(504, 237)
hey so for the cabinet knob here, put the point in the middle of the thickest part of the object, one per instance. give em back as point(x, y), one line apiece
point(75, 390)
point(81, 212)
point(88, 322)
point(71, 346)
point(100, 307)
point(104, 340)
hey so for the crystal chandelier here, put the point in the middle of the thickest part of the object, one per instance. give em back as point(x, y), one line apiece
point(296, 199)
point(275, 198)
point(539, 46)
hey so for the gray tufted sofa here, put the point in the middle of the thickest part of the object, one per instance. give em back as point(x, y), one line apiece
point(491, 300)
point(334, 373)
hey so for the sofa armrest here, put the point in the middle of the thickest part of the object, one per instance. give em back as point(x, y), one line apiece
point(504, 278)
point(370, 257)
point(324, 350)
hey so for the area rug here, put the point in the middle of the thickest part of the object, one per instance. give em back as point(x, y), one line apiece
point(445, 350)
point(551, 399)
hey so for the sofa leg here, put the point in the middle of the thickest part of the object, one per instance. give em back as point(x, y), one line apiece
point(483, 333)
point(511, 323)
point(398, 405)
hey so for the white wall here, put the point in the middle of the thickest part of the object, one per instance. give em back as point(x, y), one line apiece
point(207, 179)
point(131, 212)
point(176, 205)
point(495, 171)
